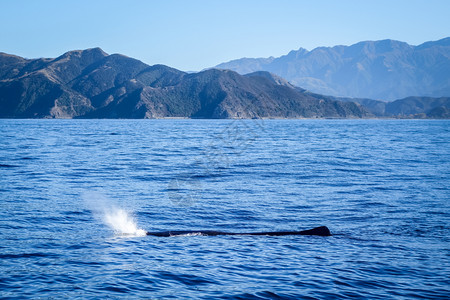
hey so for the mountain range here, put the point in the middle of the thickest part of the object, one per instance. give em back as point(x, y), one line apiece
point(93, 84)
point(383, 70)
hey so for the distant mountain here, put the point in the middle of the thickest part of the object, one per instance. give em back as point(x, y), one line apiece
point(92, 84)
point(386, 69)
point(410, 107)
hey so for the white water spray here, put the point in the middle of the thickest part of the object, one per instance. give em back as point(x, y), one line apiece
point(122, 222)
point(118, 219)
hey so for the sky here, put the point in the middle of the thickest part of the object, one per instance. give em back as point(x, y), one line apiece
point(192, 35)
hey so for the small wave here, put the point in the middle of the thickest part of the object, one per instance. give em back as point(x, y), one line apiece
point(209, 175)
point(8, 166)
point(26, 255)
point(186, 279)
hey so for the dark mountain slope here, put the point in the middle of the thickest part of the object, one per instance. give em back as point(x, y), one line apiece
point(40, 88)
point(224, 94)
point(93, 84)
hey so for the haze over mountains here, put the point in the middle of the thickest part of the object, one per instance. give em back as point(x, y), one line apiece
point(92, 84)
point(384, 70)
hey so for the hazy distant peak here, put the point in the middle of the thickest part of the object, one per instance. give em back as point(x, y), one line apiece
point(246, 65)
point(297, 53)
point(383, 46)
point(445, 42)
point(385, 69)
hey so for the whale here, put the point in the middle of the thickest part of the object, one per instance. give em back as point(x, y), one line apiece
point(318, 231)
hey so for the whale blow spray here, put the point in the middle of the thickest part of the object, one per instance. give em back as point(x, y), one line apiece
point(118, 219)
point(122, 222)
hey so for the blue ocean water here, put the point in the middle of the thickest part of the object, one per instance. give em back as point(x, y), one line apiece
point(75, 193)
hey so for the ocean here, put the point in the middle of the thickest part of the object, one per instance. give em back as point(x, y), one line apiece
point(77, 197)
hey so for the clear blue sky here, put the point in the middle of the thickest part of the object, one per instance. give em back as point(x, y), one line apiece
point(194, 34)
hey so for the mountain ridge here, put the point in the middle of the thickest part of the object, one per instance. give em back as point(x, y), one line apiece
point(385, 69)
point(93, 84)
